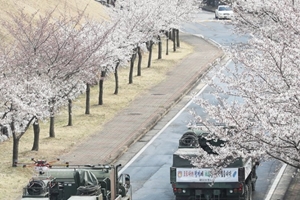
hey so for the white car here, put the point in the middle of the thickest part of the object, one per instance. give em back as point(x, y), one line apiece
point(224, 12)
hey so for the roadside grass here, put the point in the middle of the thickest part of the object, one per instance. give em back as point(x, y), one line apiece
point(14, 179)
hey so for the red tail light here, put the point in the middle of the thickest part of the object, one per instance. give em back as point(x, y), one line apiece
point(241, 188)
point(174, 188)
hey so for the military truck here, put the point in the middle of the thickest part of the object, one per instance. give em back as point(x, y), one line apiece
point(87, 182)
point(235, 182)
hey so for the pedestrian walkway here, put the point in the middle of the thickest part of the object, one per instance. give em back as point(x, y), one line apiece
point(288, 187)
point(105, 146)
point(293, 190)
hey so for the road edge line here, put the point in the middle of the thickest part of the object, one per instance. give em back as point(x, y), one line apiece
point(276, 182)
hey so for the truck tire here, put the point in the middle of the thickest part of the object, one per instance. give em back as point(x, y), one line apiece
point(253, 185)
point(184, 198)
point(250, 190)
point(246, 193)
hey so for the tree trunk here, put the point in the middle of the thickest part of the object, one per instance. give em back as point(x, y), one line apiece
point(159, 48)
point(51, 129)
point(36, 132)
point(177, 38)
point(70, 112)
point(16, 141)
point(116, 79)
point(100, 99)
point(133, 56)
point(139, 67)
point(173, 39)
point(150, 47)
point(87, 99)
point(167, 46)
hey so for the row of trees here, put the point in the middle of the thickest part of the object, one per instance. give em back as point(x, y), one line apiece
point(264, 84)
point(46, 61)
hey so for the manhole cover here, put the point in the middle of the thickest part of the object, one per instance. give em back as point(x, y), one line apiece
point(135, 113)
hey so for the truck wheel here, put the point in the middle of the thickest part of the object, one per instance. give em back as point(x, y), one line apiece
point(253, 186)
point(185, 198)
point(180, 198)
point(246, 193)
point(250, 190)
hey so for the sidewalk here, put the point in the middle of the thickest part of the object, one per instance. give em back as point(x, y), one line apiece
point(107, 145)
point(288, 187)
point(293, 190)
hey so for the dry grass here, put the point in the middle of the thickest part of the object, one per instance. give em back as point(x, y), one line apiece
point(93, 9)
point(13, 179)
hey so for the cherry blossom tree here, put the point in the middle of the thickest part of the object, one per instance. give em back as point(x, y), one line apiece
point(71, 52)
point(136, 26)
point(146, 21)
point(42, 66)
point(259, 97)
point(101, 48)
point(114, 50)
point(23, 97)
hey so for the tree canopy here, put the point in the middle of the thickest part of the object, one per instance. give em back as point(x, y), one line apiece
point(48, 58)
point(262, 91)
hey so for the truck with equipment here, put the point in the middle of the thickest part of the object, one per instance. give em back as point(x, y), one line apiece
point(84, 182)
point(235, 182)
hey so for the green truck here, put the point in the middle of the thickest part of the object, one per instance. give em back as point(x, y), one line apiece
point(235, 182)
point(86, 182)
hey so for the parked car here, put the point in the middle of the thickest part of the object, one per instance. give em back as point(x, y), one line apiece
point(224, 12)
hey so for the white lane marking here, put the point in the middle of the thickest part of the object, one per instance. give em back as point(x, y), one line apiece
point(276, 181)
